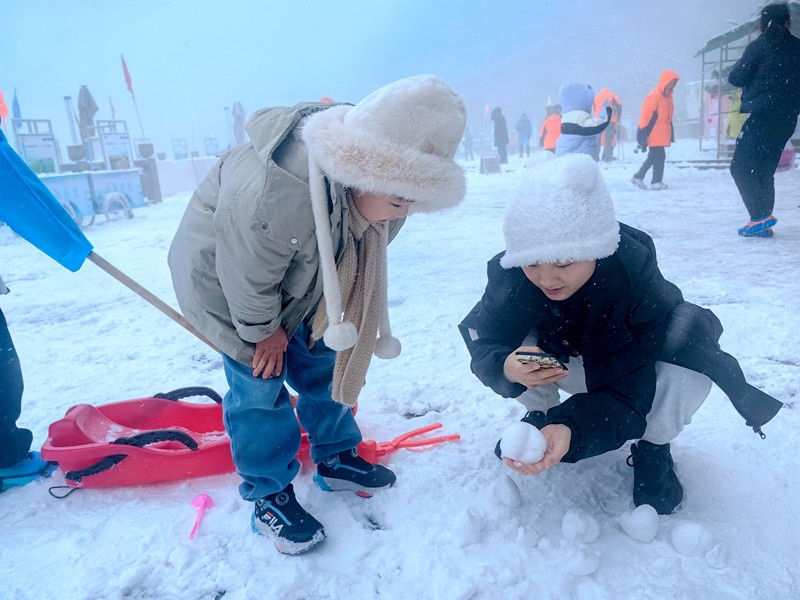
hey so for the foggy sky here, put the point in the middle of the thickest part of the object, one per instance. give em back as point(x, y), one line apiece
point(189, 59)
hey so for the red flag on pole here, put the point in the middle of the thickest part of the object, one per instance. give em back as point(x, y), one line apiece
point(3, 107)
point(127, 76)
point(113, 112)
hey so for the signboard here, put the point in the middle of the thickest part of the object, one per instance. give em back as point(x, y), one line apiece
point(117, 150)
point(212, 147)
point(40, 151)
point(180, 149)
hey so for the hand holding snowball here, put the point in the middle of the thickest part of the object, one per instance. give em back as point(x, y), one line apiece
point(557, 439)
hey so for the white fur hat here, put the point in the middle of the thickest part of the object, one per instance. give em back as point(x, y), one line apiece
point(562, 213)
point(398, 141)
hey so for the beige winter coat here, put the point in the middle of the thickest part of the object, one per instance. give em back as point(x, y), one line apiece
point(244, 259)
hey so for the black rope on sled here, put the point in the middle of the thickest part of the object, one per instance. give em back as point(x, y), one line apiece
point(60, 496)
point(188, 392)
point(139, 441)
point(98, 467)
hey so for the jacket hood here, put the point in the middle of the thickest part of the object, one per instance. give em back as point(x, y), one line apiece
point(666, 77)
point(576, 96)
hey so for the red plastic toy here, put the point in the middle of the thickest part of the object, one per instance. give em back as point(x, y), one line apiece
point(155, 439)
point(140, 441)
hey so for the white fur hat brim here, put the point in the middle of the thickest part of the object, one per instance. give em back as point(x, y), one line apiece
point(399, 141)
point(562, 213)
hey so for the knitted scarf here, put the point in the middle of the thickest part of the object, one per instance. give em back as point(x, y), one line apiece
point(362, 278)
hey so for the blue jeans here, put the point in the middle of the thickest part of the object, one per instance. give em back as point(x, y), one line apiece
point(261, 422)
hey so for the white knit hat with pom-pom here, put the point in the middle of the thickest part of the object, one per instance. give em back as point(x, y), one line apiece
point(562, 213)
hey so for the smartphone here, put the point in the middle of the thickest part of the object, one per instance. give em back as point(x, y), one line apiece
point(543, 359)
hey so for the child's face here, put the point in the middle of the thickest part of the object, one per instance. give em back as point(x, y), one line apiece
point(379, 209)
point(560, 280)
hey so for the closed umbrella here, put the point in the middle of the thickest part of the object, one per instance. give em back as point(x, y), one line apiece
point(87, 108)
point(238, 122)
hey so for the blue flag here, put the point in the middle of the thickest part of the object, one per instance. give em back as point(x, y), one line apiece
point(31, 210)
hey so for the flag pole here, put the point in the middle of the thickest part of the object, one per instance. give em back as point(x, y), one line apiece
point(149, 296)
point(129, 83)
point(137, 115)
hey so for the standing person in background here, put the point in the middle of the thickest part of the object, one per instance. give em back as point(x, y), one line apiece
point(608, 140)
point(467, 142)
point(580, 132)
point(656, 131)
point(551, 129)
point(18, 464)
point(280, 261)
point(500, 134)
point(524, 132)
point(769, 74)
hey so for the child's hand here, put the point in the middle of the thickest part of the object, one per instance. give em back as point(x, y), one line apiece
point(268, 357)
point(558, 439)
point(530, 374)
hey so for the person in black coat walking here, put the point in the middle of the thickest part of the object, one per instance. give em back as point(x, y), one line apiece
point(637, 358)
point(500, 134)
point(769, 74)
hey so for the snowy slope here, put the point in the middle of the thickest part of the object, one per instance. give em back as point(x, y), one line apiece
point(446, 531)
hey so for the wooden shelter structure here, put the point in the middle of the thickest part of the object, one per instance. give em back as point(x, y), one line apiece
point(719, 55)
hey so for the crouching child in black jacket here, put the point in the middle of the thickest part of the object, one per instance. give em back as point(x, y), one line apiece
point(637, 358)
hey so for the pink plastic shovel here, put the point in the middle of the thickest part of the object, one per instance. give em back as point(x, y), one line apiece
point(201, 502)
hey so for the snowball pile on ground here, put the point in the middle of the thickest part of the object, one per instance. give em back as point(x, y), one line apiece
point(523, 442)
point(579, 526)
point(640, 523)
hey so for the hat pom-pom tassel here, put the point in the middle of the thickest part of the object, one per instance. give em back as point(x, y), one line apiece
point(387, 347)
point(341, 336)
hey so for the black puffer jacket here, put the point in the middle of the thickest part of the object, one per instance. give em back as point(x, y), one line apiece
point(616, 322)
point(769, 74)
point(624, 319)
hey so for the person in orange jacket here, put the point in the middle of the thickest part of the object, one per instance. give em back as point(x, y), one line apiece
point(551, 128)
point(655, 130)
point(608, 141)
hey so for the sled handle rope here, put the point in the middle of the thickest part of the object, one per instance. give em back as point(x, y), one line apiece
point(139, 441)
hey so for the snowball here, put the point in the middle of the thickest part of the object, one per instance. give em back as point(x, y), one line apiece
point(641, 523)
point(528, 537)
point(467, 528)
point(717, 557)
point(579, 527)
point(691, 539)
point(505, 491)
point(583, 563)
point(523, 442)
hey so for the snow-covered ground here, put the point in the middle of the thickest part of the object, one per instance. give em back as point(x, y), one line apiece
point(449, 529)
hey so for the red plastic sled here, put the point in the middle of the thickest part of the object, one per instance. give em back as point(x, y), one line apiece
point(141, 441)
point(161, 439)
